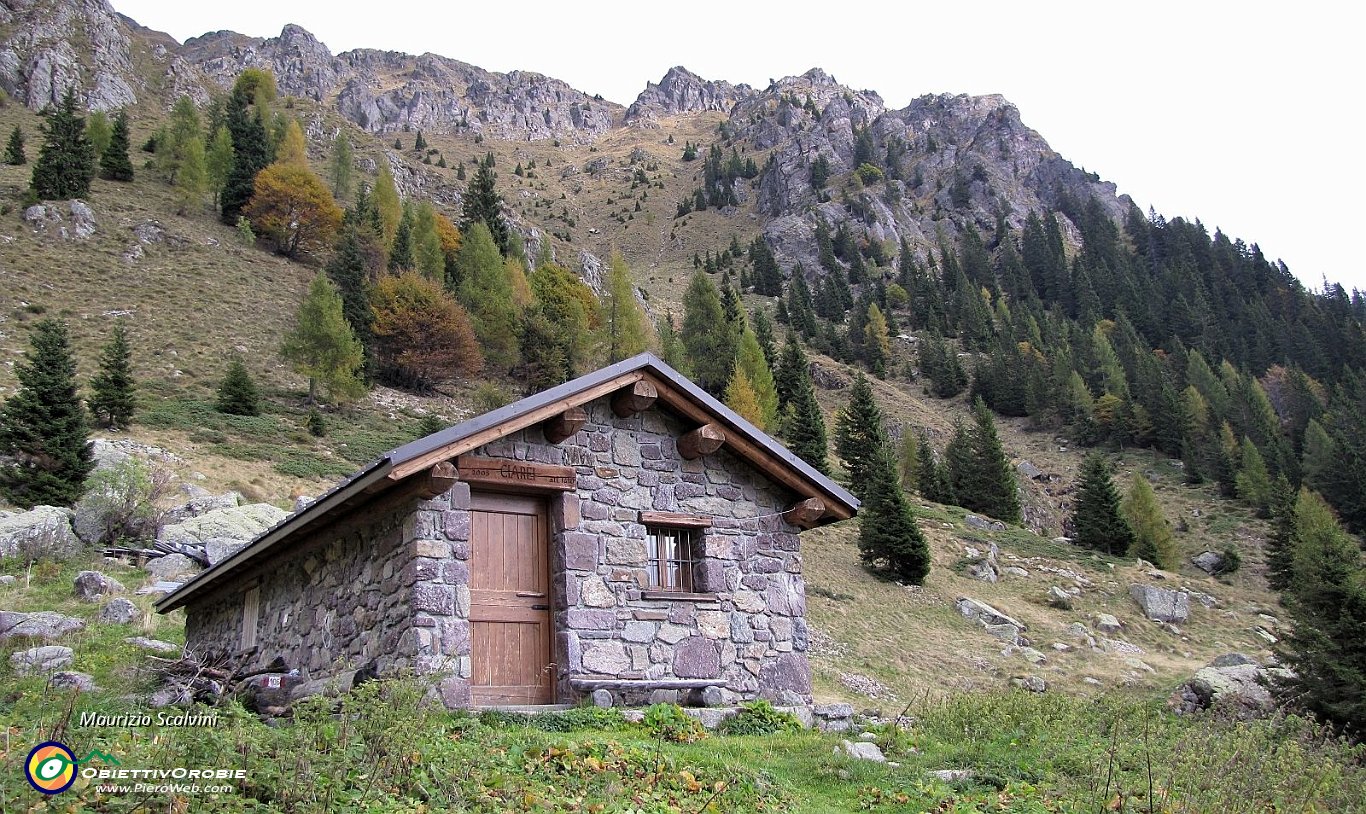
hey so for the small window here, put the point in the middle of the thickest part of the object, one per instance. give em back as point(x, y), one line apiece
point(670, 558)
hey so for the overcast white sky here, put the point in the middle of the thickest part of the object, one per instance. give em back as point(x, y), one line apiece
point(1248, 116)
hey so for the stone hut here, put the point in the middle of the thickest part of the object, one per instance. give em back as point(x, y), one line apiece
point(623, 531)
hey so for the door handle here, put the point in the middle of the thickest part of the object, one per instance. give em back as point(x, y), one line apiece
point(540, 607)
point(531, 594)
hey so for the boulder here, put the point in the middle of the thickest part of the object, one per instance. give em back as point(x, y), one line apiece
point(90, 586)
point(119, 611)
point(158, 587)
point(984, 570)
point(862, 750)
point(77, 224)
point(45, 625)
point(980, 523)
point(1160, 604)
point(218, 549)
point(45, 659)
point(1028, 470)
point(1030, 683)
point(1240, 687)
point(43, 530)
point(236, 523)
point(68, 680)
point(952, 775)
point(202, 502)
point(984, 614)
point(1106, 623)
point(1234, 660)
point(1059, 598)
point(155, 645)
point(1209, 561)
point(1015, 571)
point(171, 567)
point(268, 691)
point(8, 580)
point(833, 717)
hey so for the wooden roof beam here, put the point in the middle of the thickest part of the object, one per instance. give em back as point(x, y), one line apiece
point(704, 440)
point(634, 398)
point(806, 513)
point(565, 424)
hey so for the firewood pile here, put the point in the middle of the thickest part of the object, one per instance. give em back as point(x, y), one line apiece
point(209, 679)
point(160, 548)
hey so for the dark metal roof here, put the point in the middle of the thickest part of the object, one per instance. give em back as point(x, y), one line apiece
point(379, 469)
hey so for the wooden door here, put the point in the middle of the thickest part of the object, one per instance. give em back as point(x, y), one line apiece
point(510, 601)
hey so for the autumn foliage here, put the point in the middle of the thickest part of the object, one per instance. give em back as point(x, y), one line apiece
point(291, 206)
point(422, 335)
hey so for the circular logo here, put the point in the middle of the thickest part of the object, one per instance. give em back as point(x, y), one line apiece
point(51, 767)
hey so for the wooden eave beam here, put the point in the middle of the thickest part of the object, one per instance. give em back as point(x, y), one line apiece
point(528, 419)
point(637, 398)
point(438, 480)
point(704, 440)
point(565, 424)
point(805, 513)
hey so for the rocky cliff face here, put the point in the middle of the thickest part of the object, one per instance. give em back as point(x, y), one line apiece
point(943, 163)
point(40, 57)
point(682, 91)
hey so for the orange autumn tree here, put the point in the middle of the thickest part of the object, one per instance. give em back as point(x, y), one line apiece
point(291, 206)
point(422, 335)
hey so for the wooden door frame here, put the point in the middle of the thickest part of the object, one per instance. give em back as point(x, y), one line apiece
point(539, 504)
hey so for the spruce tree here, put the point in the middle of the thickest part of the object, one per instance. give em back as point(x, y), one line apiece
point(994, 488)
point(322, 345)
point(859, 434)
point(933, 476)
point(115, 165)
point(251, 153)
point(1153, 539)
point(888, 535)
point(484, 204)
point(1327, 602)
point(111, 391)
point(486, 291)
point(802, 424)
point(66, 164)
point(1253, 482)
point(671, 349)
point(14, 150)
point(237, 393)
point(401, 253)
point(1097, 522)
point(44, 430)
point(1280, 548)
point(708, 336)
point(763, 333)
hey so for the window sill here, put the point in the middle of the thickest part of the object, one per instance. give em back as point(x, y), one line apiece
point(680, 596)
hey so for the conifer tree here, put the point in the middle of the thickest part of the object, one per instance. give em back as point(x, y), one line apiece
point(111, 390)
point(218, 161)
point(322, 345)
point(341, 166)
point(44, 430)
point(237, 393)
point(1280, 548)
point(1253, 481)
point(486, 291)
point(741, 398)
point(192, 181)
point(115, 165)
point(422, 335)
point(401, 252)
point(888, 535)
point(251, 151)
point(859, 434)
point(483, 204)
point(940, 365)
point(1327, 601)
point(933, 477)
point(1153, 539)
point(709, 338)
point(876, 345)
point(570, 312)
point(99, 130)
point(749, 357)
point(803, 425)
point(623, 323)
point(293, 147)
point(908, 460)
point(979, 470)
point(386, 203)
point(14, 150)
point(292, 206)
point(1317, 463)
point(1097, 522)
point(66, 164)
point(424, 241)
point(763, 333)
point(671, 349)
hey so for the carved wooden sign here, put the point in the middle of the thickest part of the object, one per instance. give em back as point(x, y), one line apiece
point(515, 475)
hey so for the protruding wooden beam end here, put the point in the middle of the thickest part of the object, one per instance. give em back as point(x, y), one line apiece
point(635, 398)
point(806, 513)
point(565, 424)
point(438, 480)
point(704, 440)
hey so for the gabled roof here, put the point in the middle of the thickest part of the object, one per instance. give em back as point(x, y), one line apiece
point(676, 393)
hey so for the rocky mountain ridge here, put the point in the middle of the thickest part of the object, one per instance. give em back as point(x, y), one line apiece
point(936, 167)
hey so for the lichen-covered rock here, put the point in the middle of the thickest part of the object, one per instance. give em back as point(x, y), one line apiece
point(171, 567)
point(155, 645)
point(1107, 623)
point(1160, 604)
point(91, 586)
point(77, 224)
point(42, 529)
point(1233, 681)
point(235, 523)
point(45, 659)
point(119, 611)
point(1210, 562)
point(984, 614)
point(862, 750)
point(68, 680)
point(1030, 683)
point(45, 625)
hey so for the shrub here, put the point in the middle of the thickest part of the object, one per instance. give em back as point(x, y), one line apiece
point(489, 396)
point(759, 718)
point(316, 426)
point(669, 722)
point(1230, 561)
point(237, 394)
point(120, 502)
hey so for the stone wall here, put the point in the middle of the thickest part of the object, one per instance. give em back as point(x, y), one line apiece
point(335, 602)
point(749, 632)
